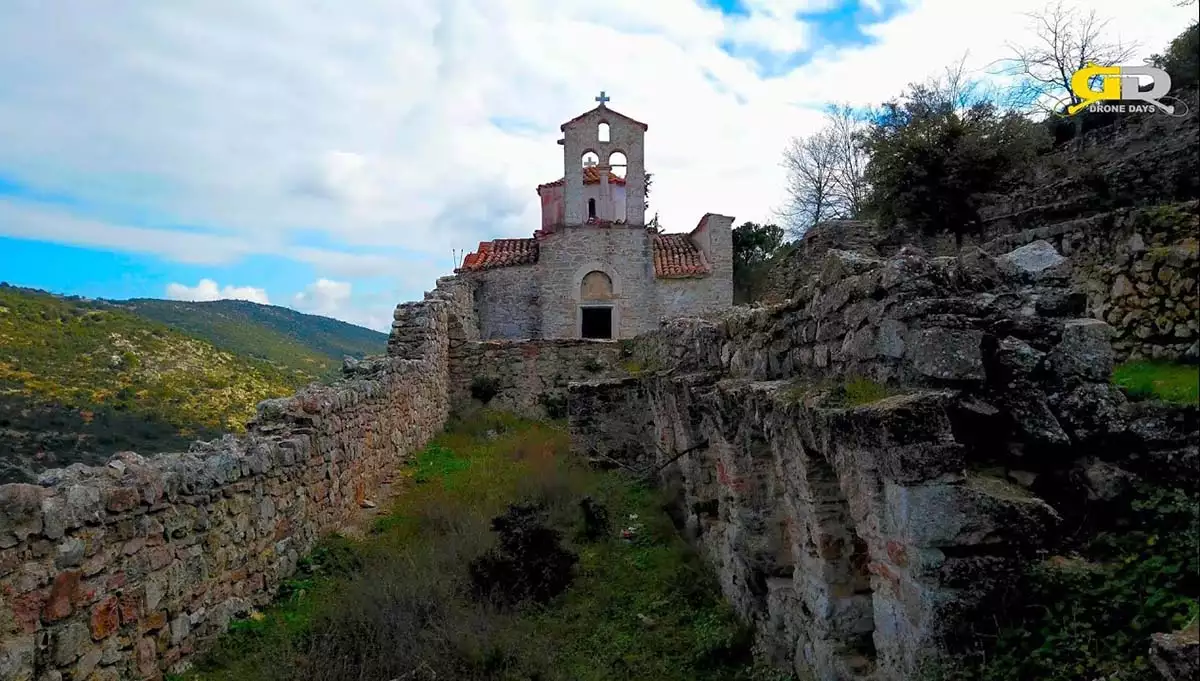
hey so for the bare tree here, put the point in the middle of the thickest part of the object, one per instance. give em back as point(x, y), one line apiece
point(847, 126)
point(1064, 41)
point(811, 164)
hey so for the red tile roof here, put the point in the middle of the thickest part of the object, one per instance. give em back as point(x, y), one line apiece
point(590, 176)
point(500, 253)
point(608, 111)
point(675, 257)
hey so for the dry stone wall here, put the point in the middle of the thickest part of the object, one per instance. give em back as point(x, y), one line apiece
point(122, 571)
point(528, 378)
point(862, 534)
point(1138, 268)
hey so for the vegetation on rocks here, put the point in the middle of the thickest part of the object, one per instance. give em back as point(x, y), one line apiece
point(400, 604)
point(1089, 614)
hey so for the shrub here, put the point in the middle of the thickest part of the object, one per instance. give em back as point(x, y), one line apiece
point(528, 564)
point(484, 388)
point(595, 519)
point(1090, 615)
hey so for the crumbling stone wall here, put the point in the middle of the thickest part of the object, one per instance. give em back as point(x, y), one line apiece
point(122, 571)
point(1138, 268)
point(862, 539)
point(529, 378)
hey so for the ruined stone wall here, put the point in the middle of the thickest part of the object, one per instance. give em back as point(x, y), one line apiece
point(623, 253)
point(529, 378)
point(862, 534)
point(507, 301)
point(122, 571)
point(1138, 268)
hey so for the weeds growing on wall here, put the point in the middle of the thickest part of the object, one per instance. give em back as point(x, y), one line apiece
point(484, 388)
point(398, 604)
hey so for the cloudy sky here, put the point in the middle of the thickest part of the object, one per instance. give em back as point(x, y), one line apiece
point(328, 156)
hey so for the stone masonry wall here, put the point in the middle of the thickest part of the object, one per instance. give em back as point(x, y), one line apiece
point(623, 253)
point(122, 571)
point(507, 303)
point(1138, 268)
point(712, 293)
point(862, 538)
point(530, 377)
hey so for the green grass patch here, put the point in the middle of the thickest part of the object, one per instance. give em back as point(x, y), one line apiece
point(1176, 383)
point(396, 602)
point(855, 391)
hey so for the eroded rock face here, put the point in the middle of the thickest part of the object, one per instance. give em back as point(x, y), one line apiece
point(859, 539)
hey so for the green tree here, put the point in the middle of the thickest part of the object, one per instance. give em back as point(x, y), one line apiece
point(1182, 59)
point(937, 150)
point(753, 246)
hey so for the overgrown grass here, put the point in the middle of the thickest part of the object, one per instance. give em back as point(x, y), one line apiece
point(395, 604)
point(1176, 383)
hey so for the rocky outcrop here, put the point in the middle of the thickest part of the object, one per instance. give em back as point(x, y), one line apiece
point(123, 570)
point(862, 536)
point(1177, 656)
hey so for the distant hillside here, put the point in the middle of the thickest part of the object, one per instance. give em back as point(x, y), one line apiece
point(277, 334)
point(80, 381)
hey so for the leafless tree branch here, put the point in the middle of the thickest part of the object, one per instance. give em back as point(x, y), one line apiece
point(1064, 40)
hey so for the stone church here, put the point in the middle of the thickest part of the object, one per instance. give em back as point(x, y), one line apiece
point(595, 269)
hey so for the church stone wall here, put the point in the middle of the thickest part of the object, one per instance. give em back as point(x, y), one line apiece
point(621, 253)
point(713, 293)
point(507, 301)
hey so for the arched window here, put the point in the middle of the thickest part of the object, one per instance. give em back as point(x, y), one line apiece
point(596, 285)
point(602, 132)
point(592, 209)
point(618, 163)
point(589, 159)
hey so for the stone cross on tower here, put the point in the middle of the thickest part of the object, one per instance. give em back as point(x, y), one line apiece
point(590, 163)
point(602, 98)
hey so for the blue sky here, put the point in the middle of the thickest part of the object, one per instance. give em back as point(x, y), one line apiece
point(330, 156)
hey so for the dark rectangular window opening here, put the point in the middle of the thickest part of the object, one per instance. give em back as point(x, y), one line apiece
point(596, 322)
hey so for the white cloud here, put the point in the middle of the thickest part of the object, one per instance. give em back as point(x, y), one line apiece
point(208, 289)
point(323, 296)
point(372, 122)
point(330, 298)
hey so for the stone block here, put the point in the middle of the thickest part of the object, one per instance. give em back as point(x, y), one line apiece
point(1085, 351)
point(947, 354)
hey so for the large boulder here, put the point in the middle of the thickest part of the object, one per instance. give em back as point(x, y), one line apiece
point(1034, 261)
